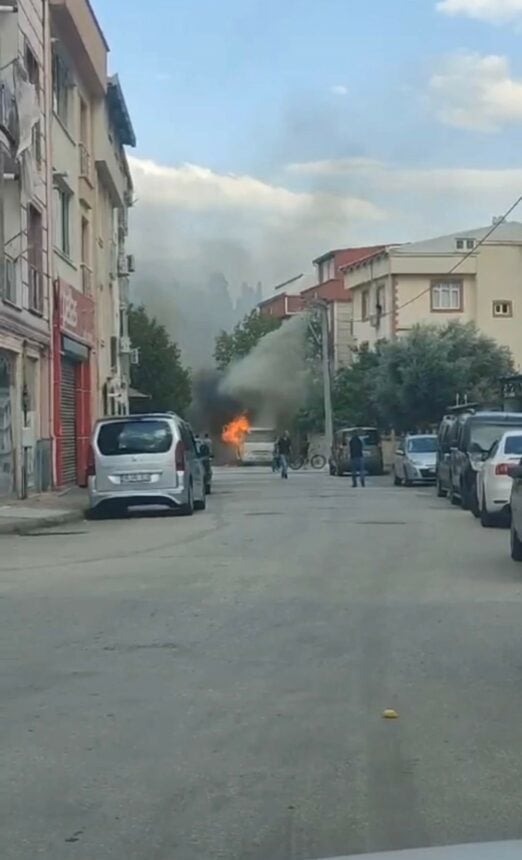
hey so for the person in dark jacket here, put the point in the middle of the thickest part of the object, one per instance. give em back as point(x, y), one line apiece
point(284, 447)
point(357, 459)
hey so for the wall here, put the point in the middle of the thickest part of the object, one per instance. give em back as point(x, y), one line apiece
point(342, 313)
point(500, 278)
point(408, 287)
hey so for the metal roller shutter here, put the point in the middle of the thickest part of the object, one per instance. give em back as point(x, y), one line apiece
point(68, 410)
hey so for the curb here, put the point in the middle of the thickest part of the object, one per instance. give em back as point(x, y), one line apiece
point(23, 527)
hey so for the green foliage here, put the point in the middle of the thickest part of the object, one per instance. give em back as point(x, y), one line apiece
point(242, 339)
point(160, 372)
point(408, 383)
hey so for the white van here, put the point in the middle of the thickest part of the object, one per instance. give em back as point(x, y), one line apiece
point(258, 446)
point(149, 459)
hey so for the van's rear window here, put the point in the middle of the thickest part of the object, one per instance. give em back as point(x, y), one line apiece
point(134, 437)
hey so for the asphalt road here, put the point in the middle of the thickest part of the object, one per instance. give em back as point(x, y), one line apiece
point(177, 689)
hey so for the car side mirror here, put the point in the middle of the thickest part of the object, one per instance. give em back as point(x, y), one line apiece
point(400, 452)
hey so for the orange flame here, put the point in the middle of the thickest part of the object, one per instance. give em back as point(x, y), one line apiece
point(235, 432)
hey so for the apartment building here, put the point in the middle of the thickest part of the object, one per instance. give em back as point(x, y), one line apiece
point(329, 289)
point(92, 191)
point(25, 305)
point(464, 276)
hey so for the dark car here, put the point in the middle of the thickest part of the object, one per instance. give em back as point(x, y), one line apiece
point(446, 439)
point(471, 438)
point(372, 451)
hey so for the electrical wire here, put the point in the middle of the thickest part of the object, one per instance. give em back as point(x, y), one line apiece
point(466, 256)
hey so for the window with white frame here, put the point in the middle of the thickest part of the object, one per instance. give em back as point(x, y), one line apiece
point(61, 87)
point(62, 217)
point(446, 296)
point(502, 308)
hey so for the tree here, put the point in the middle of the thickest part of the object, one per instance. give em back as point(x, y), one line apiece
point(244, 336)
point(419, 375)
point(353, 391)
point(160, 372)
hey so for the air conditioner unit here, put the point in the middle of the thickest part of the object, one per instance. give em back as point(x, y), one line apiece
point(131, 263)
point(125, 345)
point(135, 355)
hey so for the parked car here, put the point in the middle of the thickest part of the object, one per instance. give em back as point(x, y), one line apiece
point(148, 459)
point(475, 434)
point(446, 437)
point(516, 512)
point(372, 450)
point(494, 481)
point(415, 459)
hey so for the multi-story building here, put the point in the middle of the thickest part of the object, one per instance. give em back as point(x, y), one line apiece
point(465, 276)
point(92, 190)
point(329, 289)
point(25, 306)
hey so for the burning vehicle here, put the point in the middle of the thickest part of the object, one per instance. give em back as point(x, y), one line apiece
point(253, 446)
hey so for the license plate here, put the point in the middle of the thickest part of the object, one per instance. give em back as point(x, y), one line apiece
point(136, 478)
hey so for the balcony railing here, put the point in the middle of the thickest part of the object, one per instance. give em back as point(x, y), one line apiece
point(86, 278)
point(85, 161)
point(35, 289)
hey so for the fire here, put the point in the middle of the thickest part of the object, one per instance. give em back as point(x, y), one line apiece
point(235, 432)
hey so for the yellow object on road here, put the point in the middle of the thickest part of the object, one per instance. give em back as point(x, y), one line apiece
point(390, 714)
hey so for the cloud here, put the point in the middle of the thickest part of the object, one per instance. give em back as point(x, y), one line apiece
point(390, 178)
point(494, 11)
point(476, 92)
point(340, 90)
point(199, 189)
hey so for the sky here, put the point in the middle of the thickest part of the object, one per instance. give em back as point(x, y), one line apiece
point(269, 132)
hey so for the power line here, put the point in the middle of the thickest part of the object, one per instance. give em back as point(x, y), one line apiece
point(497, 223)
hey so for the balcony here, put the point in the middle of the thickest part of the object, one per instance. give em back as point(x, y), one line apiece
point(86, 273)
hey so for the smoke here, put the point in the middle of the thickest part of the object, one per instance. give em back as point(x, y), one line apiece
point(270, 384)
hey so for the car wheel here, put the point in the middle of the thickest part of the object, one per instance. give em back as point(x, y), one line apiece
point(486, 518)
point(396, 480)
point(188, 509)
point(202, 504)
point(407, 481)
point(441, 492)
point(208, 489)
point(516, 544)
point(474, 503)
point(453, 498)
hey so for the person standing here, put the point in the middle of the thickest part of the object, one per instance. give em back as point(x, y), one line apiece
point(284, 447)
point(357, 459)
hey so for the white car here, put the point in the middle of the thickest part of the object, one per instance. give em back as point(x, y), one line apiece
point(494, 481)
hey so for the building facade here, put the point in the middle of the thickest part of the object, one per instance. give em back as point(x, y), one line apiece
point(467, 276)
point(91, 191)
point(25, 265)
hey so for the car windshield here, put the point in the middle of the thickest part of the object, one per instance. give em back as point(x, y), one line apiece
point(134, 437)
point(513, 445)
point(422, 445)
point(484, 435)
point(260, 436)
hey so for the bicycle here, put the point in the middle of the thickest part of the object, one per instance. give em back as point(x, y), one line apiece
point(316, 461)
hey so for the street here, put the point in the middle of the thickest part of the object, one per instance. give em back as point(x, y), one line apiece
point(213, 687)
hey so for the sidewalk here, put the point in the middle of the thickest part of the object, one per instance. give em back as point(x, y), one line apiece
point(43, 511)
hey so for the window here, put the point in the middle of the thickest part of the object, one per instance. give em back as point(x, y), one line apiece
point(381, 299)
point(134, 437)
point(33, 73)
point(470, 244)
point(446, 296)
point(61, 88)
point(84, 148)
point(502, 308)
point(422, 445)
point(86, 257)
point(62, 205)
point(365, 304)
point(513, 445)
point(460, 244)
point(35, 259)
point(8, 285)
point(465, 244)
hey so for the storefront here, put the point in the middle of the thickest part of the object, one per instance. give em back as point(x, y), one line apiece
point(73, 339)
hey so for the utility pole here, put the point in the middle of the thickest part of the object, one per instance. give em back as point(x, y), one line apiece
point(327, 384)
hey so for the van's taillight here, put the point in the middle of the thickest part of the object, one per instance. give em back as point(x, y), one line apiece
point(502, 468)
point(91, 465)
point(180, 457)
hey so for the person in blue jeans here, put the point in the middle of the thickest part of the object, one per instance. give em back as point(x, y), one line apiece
point(357, 459)
point(284, 446)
